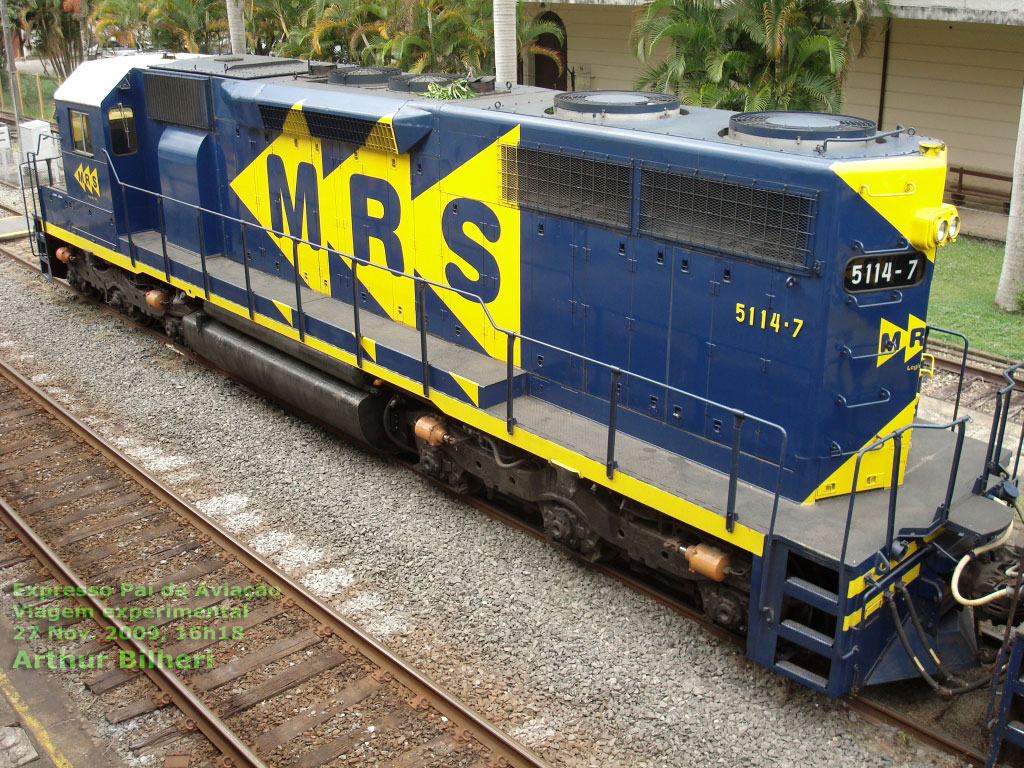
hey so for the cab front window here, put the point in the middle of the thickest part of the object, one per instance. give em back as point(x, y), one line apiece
point(123, 140)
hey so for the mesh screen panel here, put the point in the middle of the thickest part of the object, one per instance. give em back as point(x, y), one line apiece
point(570, 186)
point(351, 130)
point(176, 99)
point(729, 216)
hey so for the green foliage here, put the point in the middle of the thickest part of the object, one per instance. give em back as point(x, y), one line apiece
point(54, 33)
point(414, 35)
point(195, 26)
point(1020, 299)
point(751, 54)
point(456, 90)
point(963, 297)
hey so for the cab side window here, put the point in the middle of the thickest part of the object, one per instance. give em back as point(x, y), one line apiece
point(123, 140)
point(81, 137)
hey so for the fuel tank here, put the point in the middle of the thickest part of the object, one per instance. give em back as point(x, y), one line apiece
point(356, 412)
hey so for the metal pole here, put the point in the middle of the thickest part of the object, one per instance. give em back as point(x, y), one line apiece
point(610, 462)
point(163, 238)
point(423, 336)
point(510, 420)
point(734, 471)
point(355, 314)
point(299, 321)
point(12, 69)
point(248, 279)
point(202, 253)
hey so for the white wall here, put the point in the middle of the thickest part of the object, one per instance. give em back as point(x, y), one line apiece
point(960, 82)
point(955, 81)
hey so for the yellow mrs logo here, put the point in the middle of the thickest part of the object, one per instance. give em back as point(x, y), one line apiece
point(892, 339)
point(88, 179)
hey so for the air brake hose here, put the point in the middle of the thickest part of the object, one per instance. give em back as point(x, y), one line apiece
point(940, 689)
point(1006, 591)
point(919, 630)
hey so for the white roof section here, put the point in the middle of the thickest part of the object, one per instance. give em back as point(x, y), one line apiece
point(92, 81)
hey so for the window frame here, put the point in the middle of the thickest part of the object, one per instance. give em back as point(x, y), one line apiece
point(132, 135)
point(86, 130)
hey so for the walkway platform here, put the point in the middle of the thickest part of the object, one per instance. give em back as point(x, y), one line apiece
point(481, 381)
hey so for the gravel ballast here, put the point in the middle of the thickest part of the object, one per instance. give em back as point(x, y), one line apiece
point(572, 663)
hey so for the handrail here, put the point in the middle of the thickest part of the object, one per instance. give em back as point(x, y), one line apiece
point(822, 148)
point(421, 283)
point(942, 511)
point(963, 362)
point(895, 297)
point(997, 435)
point(883, 396)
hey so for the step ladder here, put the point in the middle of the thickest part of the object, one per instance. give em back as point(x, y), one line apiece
point(769, 627)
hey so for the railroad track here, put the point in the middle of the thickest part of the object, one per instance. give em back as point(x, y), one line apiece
point(870, 708)
point(224, 636)
point(986, 366)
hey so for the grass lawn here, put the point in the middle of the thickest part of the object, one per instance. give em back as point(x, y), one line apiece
point(963, 292)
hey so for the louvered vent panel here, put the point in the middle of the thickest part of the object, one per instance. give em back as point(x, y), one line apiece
point(351, 130)
point(567, 185)
point(179, 100)
point(728, 216)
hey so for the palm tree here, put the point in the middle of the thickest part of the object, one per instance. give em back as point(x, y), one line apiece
point(703, 58)
point(752, 54)
point(55, 33)
point(195, 26)
point(123, 21)
point(529, 30)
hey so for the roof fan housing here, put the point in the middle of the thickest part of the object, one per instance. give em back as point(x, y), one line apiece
point(421, 82)
point(791, 129)
point(347, 74)
point(615, 106)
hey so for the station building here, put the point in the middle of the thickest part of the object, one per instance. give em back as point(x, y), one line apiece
point(953, 69)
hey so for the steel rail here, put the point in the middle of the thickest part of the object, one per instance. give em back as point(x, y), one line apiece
point(859, 701)
point(922, 732)
point(222, 737)
point(466, 721)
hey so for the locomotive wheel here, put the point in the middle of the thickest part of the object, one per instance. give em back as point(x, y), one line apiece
point(116, 299)
point(569, 529)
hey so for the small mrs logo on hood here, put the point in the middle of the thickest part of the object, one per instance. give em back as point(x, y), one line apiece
point(88, 179)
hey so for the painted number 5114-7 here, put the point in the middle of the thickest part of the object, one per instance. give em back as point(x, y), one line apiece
point(766, 320)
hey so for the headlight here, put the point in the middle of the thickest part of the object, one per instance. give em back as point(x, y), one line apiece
point(933, 227)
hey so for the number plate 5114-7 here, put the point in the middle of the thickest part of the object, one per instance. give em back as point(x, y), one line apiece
point(871, 273)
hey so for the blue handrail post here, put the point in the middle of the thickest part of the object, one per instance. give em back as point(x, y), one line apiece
point(613, 400)
point(202, 253)
point(948, 501)
point(355, 314)
point(128, 225)
point(422, 311)
point(510, 421)
point(897, 455)
point(734, 471)
point(163, 238)
point(248, 281)
point(300, 321)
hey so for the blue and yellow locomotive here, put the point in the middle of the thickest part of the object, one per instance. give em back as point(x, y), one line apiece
point(681, 337)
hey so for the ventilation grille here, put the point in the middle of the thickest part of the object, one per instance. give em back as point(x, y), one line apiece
point(351, 130)
point(733, 217)
point(567, 185)
point(179, 100)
